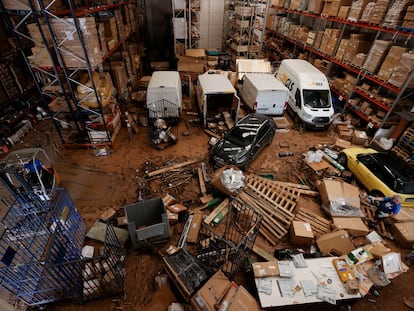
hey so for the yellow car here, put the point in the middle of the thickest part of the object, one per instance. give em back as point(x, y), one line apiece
point(381, 173)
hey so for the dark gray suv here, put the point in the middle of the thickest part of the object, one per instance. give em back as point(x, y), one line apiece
point(243, 142)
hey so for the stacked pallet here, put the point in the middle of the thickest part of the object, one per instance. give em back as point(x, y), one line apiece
point(275, 201)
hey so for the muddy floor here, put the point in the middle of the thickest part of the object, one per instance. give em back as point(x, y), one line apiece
point(99, 182)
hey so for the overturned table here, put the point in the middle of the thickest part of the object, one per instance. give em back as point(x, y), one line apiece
point(302, 286)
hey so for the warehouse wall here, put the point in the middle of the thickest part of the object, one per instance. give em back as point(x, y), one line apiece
point(211, 23)
point(159, 34)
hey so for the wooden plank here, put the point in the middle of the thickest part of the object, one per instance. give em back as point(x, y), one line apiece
point(203, 189)
point(262, 253)
point(216, 211)
point(271, 227)
point(205, 199)
point(369, 212)
point(171, 167)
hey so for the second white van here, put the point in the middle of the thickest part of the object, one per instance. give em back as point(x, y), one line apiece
point(310, 99)
point(263, 93)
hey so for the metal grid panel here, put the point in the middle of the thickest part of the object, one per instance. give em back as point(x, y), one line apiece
point(228, 251)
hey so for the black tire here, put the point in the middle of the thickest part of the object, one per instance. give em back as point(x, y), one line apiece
point(298, 124)
point(342, 159)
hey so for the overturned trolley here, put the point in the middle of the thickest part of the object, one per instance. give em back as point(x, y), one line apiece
point(229, 250)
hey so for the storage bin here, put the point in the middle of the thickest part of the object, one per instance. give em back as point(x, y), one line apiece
point(147, 222)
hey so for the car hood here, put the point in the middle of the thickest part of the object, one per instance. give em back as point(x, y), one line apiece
point(353, 152)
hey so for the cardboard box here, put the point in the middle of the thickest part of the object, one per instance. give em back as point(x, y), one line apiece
point(346, 135)
point(301, 233)
point(192, 236)
point(336, 195)
point(359, 137)
point(211, 292)
point(337, 243)
point(341, 144)
point(243, 300)
point(265, 269)
point(405, 215)
point(355, 226)
point(403, 233)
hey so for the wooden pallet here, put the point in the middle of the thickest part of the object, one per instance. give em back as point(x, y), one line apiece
point(274, 225)
point(282, 196)
point(369, 212)
point(274, 202)
point(319, 225)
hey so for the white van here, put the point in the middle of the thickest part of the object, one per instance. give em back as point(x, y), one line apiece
point(263, 93)
point(164, 95)
point(216, 94)
point(310, 99)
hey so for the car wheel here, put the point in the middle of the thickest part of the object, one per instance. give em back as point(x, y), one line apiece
point(298, 124)
point(342, 159)
point(271, 140)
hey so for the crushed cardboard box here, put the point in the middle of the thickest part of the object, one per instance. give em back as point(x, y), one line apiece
point(354, 225)
point(336, 243)
point(340, 199)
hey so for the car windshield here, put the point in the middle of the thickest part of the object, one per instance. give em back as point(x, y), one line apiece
point(241, 136)
point(392, 170)
point(316, 98)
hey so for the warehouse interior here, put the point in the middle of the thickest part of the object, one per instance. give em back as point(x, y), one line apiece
point(127, 212)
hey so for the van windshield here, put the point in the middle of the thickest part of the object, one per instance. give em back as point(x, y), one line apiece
point(316, 98)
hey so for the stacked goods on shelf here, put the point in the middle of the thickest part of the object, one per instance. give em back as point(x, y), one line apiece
point(402, 70)
point(408, 21)
point(315, 6)
point(110, 38)
point(395, 14)
point(357, 44)
point(329, 40)
point(356, 10)
point(40, 56)
point(374, 12)
point(376, 55)
point(343, 12)
point(71, 46)
point(103, 86)
point(391, 61)
point(331, 7)
point(25, 5)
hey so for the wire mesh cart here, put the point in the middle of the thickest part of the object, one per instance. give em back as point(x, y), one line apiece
point(41, 240)
point(229, 250)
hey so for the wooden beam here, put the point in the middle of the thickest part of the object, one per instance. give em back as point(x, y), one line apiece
point(171, 167)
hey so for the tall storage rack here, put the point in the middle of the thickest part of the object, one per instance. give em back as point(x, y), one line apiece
point(186, 25)
point(67, 61)
point(179, 26)
point(244, 27)
point(325, 36)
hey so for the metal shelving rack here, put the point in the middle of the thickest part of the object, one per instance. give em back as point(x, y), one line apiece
point(179, 26)
point(41, 243)
point(244, 27)
point(194, 23)
point(401, 93)
point(87, 126)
